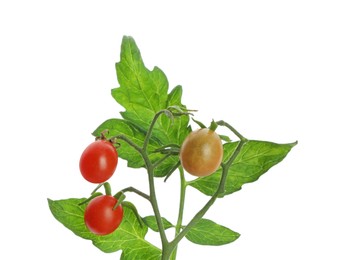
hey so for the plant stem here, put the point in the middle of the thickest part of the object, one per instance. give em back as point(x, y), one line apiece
point(130, 142)
point(223, 123)
point(181, 208)
point(150, 170)
point(161, 160)
point(140, 193)
point(153, 200)
point(149, 131)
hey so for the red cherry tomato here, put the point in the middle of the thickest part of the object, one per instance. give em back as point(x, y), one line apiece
point(100, 216)
point(98, 161)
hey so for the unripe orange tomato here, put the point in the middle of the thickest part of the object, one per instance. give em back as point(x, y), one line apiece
point(201, 152)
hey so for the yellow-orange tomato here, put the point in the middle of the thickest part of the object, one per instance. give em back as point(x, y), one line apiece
point(201, 152)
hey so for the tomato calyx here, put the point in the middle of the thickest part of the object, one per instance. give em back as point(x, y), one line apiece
point(112, 140)
point(103, 135)
point(200, 124)
point(120, 196)
point(213, 126)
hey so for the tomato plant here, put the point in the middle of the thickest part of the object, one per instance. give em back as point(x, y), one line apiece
point(201, 152)
point(98, 161)
point(100, 216)
point(155, 134)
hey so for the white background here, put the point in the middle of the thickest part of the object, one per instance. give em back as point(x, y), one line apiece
point(273, 69)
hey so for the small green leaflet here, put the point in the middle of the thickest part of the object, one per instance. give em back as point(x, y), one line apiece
point(143, 93)
point(129, 237)
point(255, 158)
point(207, 232)
point(151, 222)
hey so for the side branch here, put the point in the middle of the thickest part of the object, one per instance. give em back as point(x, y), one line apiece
point(232, 129)
point(140, 193)
point(130, 142)
point(154, 120)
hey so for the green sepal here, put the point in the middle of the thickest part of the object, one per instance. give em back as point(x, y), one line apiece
point(93, 195)
point(213, 126)
point(201, 125)
point(120, 199)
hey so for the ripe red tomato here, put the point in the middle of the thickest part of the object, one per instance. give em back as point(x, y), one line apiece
point(201, 152)
point(98, 161)
point(100, 216)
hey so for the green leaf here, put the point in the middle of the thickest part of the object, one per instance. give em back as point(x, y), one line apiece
point(255, 158)
point(128, 237)
point(143, 93)
point(151, 222)
point(207, 232)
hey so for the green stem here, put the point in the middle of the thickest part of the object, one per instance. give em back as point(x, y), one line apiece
point(161, 160)
point(94, 195)
point(107, 188)
point(149, 131)
point(150, 170)
point(140, 193)
point(166, 251)
point(130, 142)
point(181, 208)
point(153, 200)
point(223, 123)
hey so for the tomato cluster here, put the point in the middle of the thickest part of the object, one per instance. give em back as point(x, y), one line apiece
point(201, 154)
point(97, 164)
